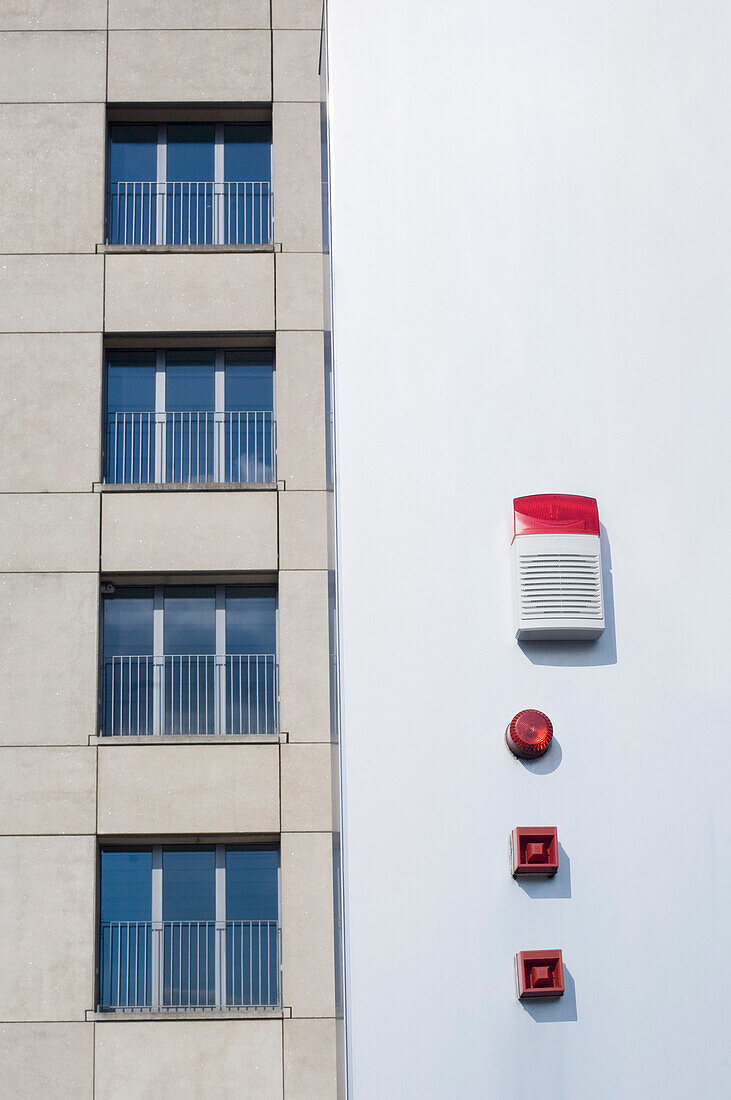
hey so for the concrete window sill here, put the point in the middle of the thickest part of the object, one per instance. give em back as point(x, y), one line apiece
point(190, 487)
point(197, 739)
point(117, 249)
point(136, 1015)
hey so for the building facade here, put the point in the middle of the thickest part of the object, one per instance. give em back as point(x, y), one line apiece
point(169, 796)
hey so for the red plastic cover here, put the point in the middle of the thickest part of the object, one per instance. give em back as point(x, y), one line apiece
point(555, 514)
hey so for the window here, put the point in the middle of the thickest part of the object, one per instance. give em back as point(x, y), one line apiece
point(189, 926)
point(189, 183)
point(200, 415)
point(189, 661)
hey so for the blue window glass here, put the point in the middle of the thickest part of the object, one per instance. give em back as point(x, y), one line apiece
point(130, 435)
point(190, 428)
point(126, 875)
point(160, 944)
point(128, 621)
point(132, 152)
point(250, 380)
point(189, 883)
point(251, 619)
point(252, 883)
point(250, 446)
point(132, 208)
point(247, 152)
point(125, 946)
point(189, 617)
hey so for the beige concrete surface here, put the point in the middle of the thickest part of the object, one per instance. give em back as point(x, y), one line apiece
point(188, 789)
point(303, 540)
point(189, 1060)
point(301, 410)
point(51, 293)
point(203, 66)
point(188, 14)
point(48, 658)
point(47, 790)
point(43, 66)
point(306, 788)
point(49, 532)
point(190, 292)
point(297, 14)
point(54, 1061)
point(304, 661)
point(296, 176)
point(47, 906)
point(299, 290)
point(310, 1060)
point(53, 188)
point(50, 397)
point(308, 976)
point(53, 15)
point(296, 66)
point(185, 532)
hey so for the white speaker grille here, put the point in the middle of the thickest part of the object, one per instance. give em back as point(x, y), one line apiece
point(560, 586)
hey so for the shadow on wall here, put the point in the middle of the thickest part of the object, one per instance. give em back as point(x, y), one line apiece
point(544, 765)
point(560, 1010)
point(601, 652)
point(558, 886)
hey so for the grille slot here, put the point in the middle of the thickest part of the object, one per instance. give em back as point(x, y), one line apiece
point(560, 586)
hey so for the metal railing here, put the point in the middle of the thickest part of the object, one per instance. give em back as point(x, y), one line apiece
point(178, 447)
point(144, 212)
point(197, 964)
point(190, 695)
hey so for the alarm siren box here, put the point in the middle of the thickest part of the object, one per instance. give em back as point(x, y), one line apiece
point(558, 568)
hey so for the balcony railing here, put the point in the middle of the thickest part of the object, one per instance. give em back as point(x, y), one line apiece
point(143, 212)
point(190, 695)
point(177, 447)
point(174, 965)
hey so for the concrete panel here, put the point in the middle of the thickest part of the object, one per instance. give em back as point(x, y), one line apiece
point(301, 410)
point(304, 682)
point(43, 67)
point(53, 187)
point(303, 530)
point(52, 1060)
point(49, 386)
point(310, 1060)
point(47, 902)
point(296, 66)
point(306, 788)
point(299, 291)
point(296, 176)
point(190, 292)
point(308, 981)
point(53, 15)
point(47, 790)
point(188, 1060)
point(169, 532)
point(297, 14)
point(48, 658)
point(188, 789)
point(212, 66)
point(51, 293)
point(49, 532)
point(189, 14)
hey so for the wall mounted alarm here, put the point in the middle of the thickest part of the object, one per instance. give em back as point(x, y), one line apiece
point(534, 850)
point(558, 568)
point(529, 734)
point(539, 974)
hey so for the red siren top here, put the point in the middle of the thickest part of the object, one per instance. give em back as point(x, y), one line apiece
point(555, 514)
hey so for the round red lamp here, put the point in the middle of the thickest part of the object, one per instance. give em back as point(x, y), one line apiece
point(529, 735)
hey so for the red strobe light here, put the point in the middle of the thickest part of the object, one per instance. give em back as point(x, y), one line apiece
point(539, 974)
point(529, 734)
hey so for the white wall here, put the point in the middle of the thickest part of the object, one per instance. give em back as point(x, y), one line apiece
point(530, 239)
